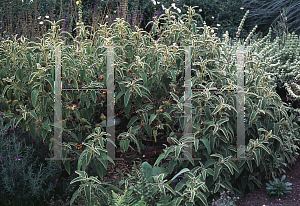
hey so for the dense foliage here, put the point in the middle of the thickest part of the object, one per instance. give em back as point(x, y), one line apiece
point(150, 74)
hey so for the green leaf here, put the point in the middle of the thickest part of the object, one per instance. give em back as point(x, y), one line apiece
point(77, 179)
point(177, 151)
point(217, 171)
point(249, 163)
point(127, 109)
point(67, 166)
point(152, 117)
point(28, 57)
point(46, 125)
point(257, 156)
point(176, 98)
point(132, 120)
point(184, 170)
point(207, 112)
point(88, 49)
point(154, 29)
point(176, 35)
point(252, 116)
point(138, 91)
point(202, 197)
point(19, 74)
point(161, 156)
point(155, 134)
point(229, 167)
point(119, 95)
point(147, 170)
point(149, 130)
point(144, 77)
point(217, 109)
point(258, 80)
point(51, 82)
point(100, 172)
point(210, 171)
point(264, 102)
point(94, 96)
point(168, 116)
point(206, 144)
point(34, 95)
point(217, 187)
point(194, 28)
point(87, 190)
point(33, 114)
point(74, 136)
point(127, 97)
point(209, 162)
point(87, 101)
point(76, 194)
point(82, 73)
point(209, 124)
point(189, 156)
point(88, 157)
point(173, 75)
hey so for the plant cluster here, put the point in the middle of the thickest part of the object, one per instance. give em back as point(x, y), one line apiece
point(150, 74)
point(22, 180)
point(223, 15)
point(266, 13)
point(278, 188)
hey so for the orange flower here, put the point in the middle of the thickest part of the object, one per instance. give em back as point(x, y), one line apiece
point(73, 108)
point(74, 105)
point(68, 107)
point(6, 102)
point(63, 121)
point(161, 110)
point(101, 76)
point(36, 129)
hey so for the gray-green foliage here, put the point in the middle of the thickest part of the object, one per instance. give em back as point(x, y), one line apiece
point(268, 12)
point(278, 188)
point(270, 134)
point(22, 180)
point(282, 56)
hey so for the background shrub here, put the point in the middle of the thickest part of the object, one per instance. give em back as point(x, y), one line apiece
point(22, 180)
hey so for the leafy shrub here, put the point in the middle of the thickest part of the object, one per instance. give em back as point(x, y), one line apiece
point(265, 13)
point(22, 180)
point(270, 136)
point(278, 188)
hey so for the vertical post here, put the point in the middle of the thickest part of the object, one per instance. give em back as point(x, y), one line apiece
point(240, 103)
point(187, 98)
point(57, 109)
point(110, 129)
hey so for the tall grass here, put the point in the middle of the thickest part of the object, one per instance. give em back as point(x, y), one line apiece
point(27, 21)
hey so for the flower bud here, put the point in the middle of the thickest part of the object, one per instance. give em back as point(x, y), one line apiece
point(103, 117)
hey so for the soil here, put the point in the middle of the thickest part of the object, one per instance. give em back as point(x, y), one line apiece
point(260, 196)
